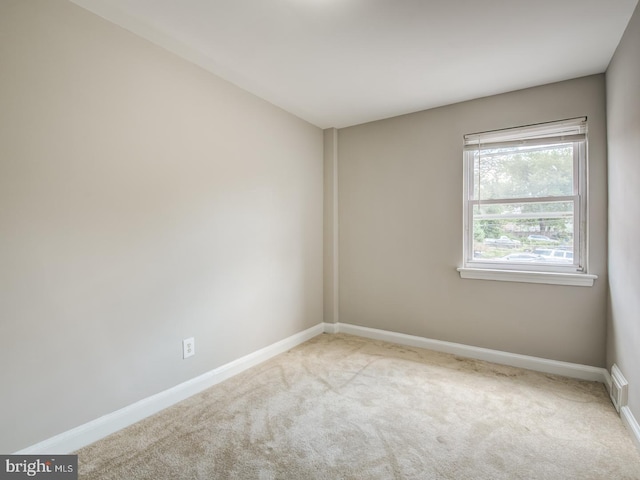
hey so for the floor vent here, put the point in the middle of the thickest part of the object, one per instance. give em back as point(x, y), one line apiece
point(619, 388)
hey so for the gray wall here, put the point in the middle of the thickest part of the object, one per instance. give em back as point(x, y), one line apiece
point(623, 130)
point(142, 201)
point(400, 204)
point(330, 227)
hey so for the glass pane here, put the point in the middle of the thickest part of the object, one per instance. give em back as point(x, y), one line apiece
point(530, 172)
point(524, 233)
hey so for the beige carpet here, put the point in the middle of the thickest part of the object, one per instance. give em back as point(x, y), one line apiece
point(340, 407)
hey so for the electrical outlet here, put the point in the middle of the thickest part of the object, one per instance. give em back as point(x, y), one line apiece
point(188, 347)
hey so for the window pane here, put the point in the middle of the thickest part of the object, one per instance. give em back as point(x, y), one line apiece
point(539, 171)
point(524, 232)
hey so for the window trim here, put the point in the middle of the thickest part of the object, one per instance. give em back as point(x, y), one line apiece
point(575, 274)
point(548, 277)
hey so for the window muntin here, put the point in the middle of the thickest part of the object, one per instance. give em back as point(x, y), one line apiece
point(525, 203)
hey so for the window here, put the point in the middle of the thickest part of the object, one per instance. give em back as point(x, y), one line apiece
point(525, 207)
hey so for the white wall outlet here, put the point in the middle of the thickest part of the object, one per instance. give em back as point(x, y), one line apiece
point(188, 347)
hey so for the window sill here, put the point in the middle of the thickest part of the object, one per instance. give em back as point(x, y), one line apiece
point(552, 278)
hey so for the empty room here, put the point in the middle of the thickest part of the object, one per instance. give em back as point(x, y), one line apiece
point(323, 239)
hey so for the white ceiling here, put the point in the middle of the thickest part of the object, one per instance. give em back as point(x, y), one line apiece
point(337, 63)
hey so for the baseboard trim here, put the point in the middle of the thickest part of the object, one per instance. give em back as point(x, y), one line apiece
point(631, 423)
point(94, 430)
point(573, 370)
point(331, 327)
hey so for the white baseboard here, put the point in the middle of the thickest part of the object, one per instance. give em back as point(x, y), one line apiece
point(94, 430)
point(331, 327)
point(573, 370)
point(631, 423)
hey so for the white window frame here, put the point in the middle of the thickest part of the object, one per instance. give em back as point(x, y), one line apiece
point(564, 131)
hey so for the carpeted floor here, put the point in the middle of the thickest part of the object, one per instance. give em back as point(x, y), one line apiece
point(344, 407)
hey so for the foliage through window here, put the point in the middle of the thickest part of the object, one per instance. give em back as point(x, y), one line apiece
point(525, 198)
